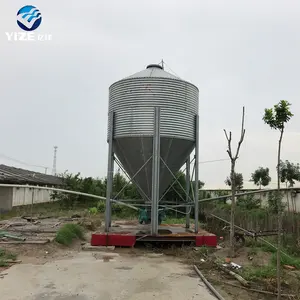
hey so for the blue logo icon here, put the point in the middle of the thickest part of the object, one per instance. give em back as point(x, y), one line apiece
point(29, 18)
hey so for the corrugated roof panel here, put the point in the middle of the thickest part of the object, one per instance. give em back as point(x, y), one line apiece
point(11, 175)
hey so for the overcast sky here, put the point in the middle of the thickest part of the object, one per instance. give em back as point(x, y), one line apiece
point(236, 52)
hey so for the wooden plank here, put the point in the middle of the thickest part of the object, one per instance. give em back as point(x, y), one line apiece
point(40, 242)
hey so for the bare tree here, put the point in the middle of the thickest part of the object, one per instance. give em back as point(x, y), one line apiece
point(233, 158)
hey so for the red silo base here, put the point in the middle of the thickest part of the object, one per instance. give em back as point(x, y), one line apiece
point(177, 234)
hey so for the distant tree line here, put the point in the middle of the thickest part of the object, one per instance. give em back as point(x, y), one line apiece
point(289, 174)
point(122, 189)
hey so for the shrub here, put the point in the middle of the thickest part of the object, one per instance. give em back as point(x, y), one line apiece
point(67, 233)
point(249, 202)
point(93, 210)
point(101, 206)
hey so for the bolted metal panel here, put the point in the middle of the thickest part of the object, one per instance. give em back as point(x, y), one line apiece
point(133, 100)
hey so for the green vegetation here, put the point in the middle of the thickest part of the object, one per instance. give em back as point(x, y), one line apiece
point(6, 255)
point(93, 210)
point(289, 173)
point(175, 221)
point(68, 233)
point(239, 181)
point(257, 273)
point(277, 117)
point(122, 190)
point(261, 177)
point(285, 260)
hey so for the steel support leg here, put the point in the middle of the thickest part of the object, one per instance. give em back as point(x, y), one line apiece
point(110, 173)
point(197, 173)
point(155, 172)
point(188, 180)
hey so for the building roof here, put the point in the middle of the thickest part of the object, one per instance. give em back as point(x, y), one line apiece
point(12, 175)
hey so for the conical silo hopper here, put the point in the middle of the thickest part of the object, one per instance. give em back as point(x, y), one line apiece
point(131, 102)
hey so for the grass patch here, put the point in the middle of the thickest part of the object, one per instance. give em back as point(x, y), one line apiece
point(68, 233)
point(174, 221)
point(6, 255)
point(171, 221)
point(284, 260)
point(256, 273)
point(268, 248)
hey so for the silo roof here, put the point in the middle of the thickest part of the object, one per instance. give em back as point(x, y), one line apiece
point(153, 71)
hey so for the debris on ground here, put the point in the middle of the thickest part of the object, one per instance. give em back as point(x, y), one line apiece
point(232, 265)
point(35, 230)
point(4, 235)
point(2, 275)
point(88, 247)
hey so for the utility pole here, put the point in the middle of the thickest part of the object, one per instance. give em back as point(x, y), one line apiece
point(54, 161)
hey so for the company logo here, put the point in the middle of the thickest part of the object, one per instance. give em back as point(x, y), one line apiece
point(29, 18)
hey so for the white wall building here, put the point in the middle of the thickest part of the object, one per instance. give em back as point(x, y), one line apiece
point(14, 196)
point(291, 197)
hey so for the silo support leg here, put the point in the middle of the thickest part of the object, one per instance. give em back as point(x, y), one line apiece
point(155, 172)
point(187, 180)
point(110, 174)
point(196, 174)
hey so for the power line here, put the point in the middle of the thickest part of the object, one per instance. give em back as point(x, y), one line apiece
point(22, 162)
point(215, 160)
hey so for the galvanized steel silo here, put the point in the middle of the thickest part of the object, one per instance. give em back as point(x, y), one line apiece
point(132, 101)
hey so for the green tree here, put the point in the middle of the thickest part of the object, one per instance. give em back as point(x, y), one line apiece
point(120, 186)
point(239, 181)
point(289, 173)
point(176, 192)
point(276, 118)
point(249, 202)
point(261, 177)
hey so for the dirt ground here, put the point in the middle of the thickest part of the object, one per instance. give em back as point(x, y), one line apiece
point(107, 276)
point(52, 271)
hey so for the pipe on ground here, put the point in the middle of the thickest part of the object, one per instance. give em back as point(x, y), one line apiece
point(209, 286)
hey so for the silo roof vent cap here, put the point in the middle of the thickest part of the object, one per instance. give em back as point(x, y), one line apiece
point(154, 66)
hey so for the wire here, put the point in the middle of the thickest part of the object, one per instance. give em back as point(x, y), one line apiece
point(215, 160)
point(164, 62)
point(22, 162)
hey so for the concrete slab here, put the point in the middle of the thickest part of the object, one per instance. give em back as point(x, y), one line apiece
point(86, 278)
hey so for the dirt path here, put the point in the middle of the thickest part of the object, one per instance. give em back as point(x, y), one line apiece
point(90, 276)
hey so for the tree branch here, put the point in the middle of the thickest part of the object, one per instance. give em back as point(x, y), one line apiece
point(242, 135)
point(229, 143)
